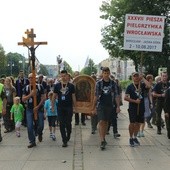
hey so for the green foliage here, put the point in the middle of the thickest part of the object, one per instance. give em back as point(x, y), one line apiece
point(14, 63)
point(125, 83)
point(43, 70)
point(90, 68)
point(68, 68)
point(2, 60)
point(114, 12)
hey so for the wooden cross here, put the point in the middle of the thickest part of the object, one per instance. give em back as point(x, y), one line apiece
point(29, 43)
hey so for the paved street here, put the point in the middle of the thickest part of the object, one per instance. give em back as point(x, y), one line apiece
point(83, 152)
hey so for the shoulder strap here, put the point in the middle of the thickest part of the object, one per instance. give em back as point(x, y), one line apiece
point(39, 87)
point(112, 83)
point(169, 92)
point(26, 88)
point(101, 84)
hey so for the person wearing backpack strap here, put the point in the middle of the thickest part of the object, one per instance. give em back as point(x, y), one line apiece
point(105, 99)
point(34, 127)
point(159, 92)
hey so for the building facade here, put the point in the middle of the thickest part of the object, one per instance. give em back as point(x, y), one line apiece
point(121, 69)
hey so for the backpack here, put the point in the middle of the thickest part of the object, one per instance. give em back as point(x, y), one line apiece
point(37, 85)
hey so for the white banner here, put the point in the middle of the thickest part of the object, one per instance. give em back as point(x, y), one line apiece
point(144, 32)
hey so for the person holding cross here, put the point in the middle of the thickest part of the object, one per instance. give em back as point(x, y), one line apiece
point(34, 127)
point(135, 96)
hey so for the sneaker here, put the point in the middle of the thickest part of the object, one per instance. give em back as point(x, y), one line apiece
point(83, 123)
point(51, 135)
point(136, 142)
point(18, 134)
point(138, 135)
point(7, 131)
point(117, 135)
point(68, 138)
point(53, 138)
point(163, 125)
point(149, 125)
point(168, 134)
point(103, 144)
point(64, 144)
point(107, 133)
point(93, 132)
point(159, 131)
point(142, 134)
point(40, 138)
point(32, 145)
point(0, 138)
point(131, 142)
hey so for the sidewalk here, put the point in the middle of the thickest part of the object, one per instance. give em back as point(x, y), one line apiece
point(83, 152)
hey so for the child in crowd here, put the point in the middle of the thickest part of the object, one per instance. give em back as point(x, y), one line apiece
point(52, 116)
point(17, 112)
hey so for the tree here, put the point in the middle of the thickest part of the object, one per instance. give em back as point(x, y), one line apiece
point(67, 67)
point(114, 12)
point(90, 68)
point(43, 70)
point(14, 63)
point(2, 60)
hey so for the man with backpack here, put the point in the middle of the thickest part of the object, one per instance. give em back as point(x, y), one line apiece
point(106, 95)
point(159, 92)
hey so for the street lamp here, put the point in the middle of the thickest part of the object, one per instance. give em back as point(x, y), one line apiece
point(24, 63)
point(11, 65)
point(21, 62)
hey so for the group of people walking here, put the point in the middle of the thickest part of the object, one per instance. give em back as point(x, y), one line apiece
point(146, 102)
point(57, 102)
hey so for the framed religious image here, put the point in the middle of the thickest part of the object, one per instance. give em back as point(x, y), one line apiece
point(85, 89)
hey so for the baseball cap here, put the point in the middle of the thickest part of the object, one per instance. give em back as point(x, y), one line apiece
point(135, 73)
